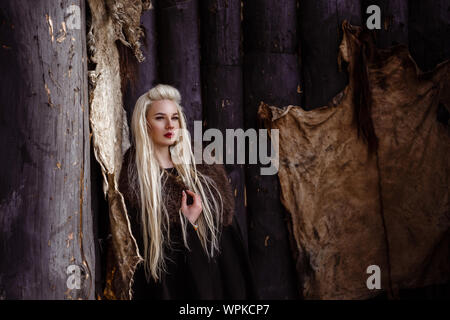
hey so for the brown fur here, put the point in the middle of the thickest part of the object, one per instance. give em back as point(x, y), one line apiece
point(173, 187)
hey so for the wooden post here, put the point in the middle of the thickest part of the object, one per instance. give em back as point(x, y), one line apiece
point(222, 86)
point(46, 232)
point(320, 35)
point(179, 53)
point(270, 75)
point(429, 32)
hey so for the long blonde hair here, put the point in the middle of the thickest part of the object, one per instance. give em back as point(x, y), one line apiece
point(154, 216)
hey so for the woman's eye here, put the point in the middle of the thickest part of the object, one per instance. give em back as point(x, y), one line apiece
point(175, 118)
point(159, 118)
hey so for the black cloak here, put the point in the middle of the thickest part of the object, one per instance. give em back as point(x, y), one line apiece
point(190, 273)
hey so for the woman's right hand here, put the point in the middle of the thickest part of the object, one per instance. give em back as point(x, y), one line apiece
point(191, 212)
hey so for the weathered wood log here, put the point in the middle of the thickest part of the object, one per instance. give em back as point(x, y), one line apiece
point(46, 232)
point(269, 77)
point(222, 93)
point(179, 53)
point(320, 35)
point(394, 21)
point(270, 74)
point(273, 77)
point(275, 24)
point(222, 89)
point(221, 32)
point(429, 31)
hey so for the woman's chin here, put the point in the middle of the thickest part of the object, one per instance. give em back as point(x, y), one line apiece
point(167, 143)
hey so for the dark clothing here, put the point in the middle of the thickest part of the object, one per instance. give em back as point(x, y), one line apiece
point(191, 276)
point(190, 273)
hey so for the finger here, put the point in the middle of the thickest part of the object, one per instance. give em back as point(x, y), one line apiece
point(183, 201)
point(191, 193)
point(194, 195)
point(198, 201)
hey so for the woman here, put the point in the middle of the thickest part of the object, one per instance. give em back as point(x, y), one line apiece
point(181, 213)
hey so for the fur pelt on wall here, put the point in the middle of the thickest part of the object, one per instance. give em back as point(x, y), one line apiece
point(366, 179)
point(111, 21)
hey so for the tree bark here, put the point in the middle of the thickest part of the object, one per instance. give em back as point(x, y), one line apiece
point(320, 35)
point(222, 86)
point(46, 221)
point(270, 75)
point(179, 53)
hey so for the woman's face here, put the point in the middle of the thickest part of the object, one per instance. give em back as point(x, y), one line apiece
point(163, 121)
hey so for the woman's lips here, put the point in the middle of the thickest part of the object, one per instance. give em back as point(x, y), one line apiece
point(168, 135)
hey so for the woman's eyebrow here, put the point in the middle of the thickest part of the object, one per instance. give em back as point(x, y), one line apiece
point(163, 114)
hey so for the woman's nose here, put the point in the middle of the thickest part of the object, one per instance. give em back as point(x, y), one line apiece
point(170, 124)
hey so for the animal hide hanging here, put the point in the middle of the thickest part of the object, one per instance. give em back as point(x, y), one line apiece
point(113, 20)
point(353, 205)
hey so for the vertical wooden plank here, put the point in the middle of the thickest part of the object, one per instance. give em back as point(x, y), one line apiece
point(320, 34)
point(46, 220)
point(179, 53)
point(222, 94)
point(222, 88)
point(429, 32)
point(221, 32)
point(271, 75)
point(276, 26)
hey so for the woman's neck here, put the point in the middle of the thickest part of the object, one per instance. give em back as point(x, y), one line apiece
point(163, 156)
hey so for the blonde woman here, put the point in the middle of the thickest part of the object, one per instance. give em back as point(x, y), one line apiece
point(181, 213)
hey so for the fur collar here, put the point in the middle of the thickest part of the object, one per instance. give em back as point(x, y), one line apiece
point(173, 186)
